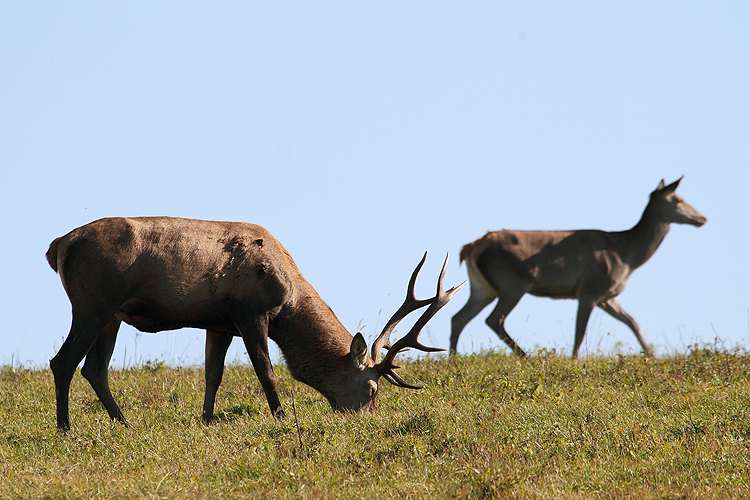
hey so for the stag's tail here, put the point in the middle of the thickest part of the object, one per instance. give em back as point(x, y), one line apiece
point(52, 254)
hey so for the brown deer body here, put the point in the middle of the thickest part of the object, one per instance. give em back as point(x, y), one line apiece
point(229, 278)
point(588, 265)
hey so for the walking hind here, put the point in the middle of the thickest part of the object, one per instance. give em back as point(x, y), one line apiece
point(591, 266)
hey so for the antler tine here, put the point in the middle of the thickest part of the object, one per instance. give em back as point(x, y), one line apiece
point(410, 340)
point(394, 378)
point(410, 305)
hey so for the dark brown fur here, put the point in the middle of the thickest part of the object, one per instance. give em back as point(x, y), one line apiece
point(229, 278)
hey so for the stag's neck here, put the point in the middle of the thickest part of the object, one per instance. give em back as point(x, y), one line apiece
point(313, 341)
point(645, 237)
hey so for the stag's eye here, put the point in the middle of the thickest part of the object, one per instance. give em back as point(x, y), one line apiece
point(373, 388)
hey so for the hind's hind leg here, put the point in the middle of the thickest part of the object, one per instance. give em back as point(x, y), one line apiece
point(496, 320)
point(478, 300)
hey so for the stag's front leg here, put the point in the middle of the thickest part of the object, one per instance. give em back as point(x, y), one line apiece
point(217, 345)
point(613, 308)
point(255, 335)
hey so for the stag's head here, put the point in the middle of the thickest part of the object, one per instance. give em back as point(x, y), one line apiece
point(358, 388)
point(672, 208)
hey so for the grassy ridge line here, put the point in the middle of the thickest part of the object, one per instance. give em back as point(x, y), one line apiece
point(485, 426)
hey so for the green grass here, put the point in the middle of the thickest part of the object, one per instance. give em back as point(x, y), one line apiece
point(485, 426)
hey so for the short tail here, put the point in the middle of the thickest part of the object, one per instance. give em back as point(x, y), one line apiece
point(52, 254)
point(466, 251)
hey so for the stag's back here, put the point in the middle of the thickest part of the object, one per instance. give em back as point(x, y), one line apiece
point(182, 268)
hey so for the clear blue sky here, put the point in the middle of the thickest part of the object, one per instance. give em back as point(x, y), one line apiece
point(363, 133)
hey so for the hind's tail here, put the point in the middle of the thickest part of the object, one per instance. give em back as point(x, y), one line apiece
point(52, 254)
point(466, 251)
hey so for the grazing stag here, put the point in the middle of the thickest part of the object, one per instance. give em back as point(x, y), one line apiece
point(229, 278)
point(590, 266)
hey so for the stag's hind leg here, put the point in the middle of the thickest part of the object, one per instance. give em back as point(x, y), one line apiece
point(84, 332)
point(96, 368)
point(217, 345)
point(613, 308)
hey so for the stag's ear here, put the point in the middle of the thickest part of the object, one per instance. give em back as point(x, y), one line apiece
point(358, 352)
point(660, 186)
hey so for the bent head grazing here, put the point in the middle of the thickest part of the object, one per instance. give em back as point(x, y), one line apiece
point(360, 393)
point(231, 279)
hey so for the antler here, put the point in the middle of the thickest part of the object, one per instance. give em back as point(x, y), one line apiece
point(410, 340)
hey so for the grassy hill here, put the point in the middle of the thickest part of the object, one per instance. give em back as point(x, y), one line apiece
point(484, 426)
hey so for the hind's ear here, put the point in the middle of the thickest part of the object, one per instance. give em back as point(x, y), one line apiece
point(673, 186)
